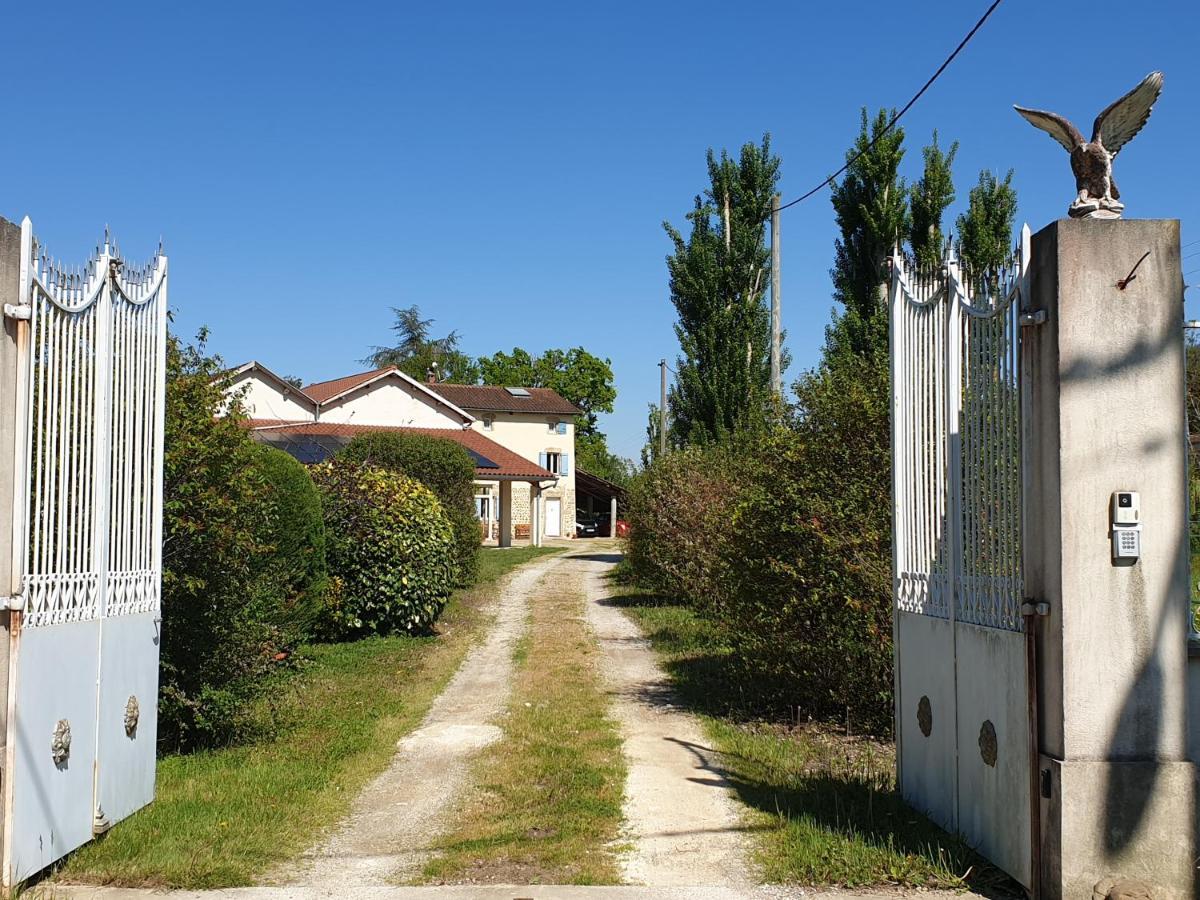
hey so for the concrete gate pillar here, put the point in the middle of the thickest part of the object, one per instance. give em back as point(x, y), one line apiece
point(612, 518)
point(505, 539)
point(535, 514)
point(1104, 413)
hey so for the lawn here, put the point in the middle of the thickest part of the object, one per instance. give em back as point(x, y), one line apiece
point(227, 817)
point(824, 806)
point(547, 808)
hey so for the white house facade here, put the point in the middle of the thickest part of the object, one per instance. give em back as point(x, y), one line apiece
point(521, 439)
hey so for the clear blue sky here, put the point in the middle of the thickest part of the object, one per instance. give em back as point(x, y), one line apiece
point(507, 166)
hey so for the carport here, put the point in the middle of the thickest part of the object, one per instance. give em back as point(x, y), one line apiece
point(597, 499)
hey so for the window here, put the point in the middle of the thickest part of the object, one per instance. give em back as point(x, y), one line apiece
point(554, 462)
point(560, 428)
point(488, 422)
point(483, 508)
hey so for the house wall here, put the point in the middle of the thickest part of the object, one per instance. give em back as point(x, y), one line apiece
point(530, 435)
point(266, 400)
point(391, 401)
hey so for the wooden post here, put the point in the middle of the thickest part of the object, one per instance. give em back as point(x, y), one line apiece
point(776, 307)
point(662, 408)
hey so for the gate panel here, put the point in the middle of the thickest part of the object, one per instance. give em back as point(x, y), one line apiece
point(50, 794)
point(962, 715)
point(90, 538)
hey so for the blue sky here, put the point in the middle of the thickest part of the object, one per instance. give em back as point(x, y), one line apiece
point(507, 167)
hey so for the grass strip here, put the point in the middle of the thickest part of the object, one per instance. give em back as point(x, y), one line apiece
point(547, 806)
point(223, 818)
point(824, 807)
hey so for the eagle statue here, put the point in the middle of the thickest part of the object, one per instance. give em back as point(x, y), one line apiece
point(1091, 161)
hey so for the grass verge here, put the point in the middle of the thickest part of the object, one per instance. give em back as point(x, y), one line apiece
point(548, 803)
point(824, 806)
point(223, 818)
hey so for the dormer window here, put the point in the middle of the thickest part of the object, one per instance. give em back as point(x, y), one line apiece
point(488, 422)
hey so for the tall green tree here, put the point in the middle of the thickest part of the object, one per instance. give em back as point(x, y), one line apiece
point(930, 195)
point(870, 204)
point(985, 230)
point(718, 279)
point(415, 351)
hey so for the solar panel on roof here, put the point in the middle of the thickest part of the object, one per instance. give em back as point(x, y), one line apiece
point(518, 392)
point(481, 461)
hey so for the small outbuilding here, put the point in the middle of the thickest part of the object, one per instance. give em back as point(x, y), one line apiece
point(597, 504)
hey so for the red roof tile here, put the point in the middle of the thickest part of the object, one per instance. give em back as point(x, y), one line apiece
point(323, 390)
point(494, 397)
point(508, 463)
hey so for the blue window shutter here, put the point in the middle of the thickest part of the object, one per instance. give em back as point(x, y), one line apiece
point(542, 460)
point(562, 428)
point(564, 465)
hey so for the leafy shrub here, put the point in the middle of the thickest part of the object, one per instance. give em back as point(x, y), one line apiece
point(680, 512)
point(784, 540)
point(390, 550)
point(442, 466)
point(226, 622)
point(293, 578)
point(809, 594)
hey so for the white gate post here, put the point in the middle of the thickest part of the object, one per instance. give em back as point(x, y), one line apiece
point(1104, 401)
point(10, 574)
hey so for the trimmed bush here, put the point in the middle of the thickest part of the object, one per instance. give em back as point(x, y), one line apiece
point(228, 603)
point(293, 577)
point(389, 547)
point(680, 511)
point(442, 466)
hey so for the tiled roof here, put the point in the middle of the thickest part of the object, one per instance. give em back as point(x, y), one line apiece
point(313, 441)
point(323, 390)
point(499, 399)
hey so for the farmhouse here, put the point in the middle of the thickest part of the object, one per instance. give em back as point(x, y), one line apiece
point(521, 439)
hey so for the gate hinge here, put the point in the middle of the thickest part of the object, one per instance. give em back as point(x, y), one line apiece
point(16, 601)
point(1035, 608)
point(23, 311)
point(1034, 317)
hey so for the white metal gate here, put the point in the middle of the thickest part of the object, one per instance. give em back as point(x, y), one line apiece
point(88, 540)
point(962, 690)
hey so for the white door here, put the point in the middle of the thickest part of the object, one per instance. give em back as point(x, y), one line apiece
point(553, 517)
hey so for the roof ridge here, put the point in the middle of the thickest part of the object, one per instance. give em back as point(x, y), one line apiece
point(352, 375)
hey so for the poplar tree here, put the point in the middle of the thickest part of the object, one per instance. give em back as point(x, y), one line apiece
point(719, 275)
point(985, 230)
point(931, 194)
point(871, 207)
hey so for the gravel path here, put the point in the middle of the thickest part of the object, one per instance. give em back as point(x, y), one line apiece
point(391, 825)
point(680, 814)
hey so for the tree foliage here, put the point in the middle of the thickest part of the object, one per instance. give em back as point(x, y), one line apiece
point(985, 230)
point(718, 279)
point(929, 197)
point(415, 352)
point(871, 208)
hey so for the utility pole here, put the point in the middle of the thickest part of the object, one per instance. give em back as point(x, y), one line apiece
point(776, 307)
point(662, 408)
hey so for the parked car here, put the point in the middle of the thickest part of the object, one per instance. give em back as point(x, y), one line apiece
point(585, 528)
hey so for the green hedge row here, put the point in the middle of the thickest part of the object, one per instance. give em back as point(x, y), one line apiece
point(260, 557)
point(784, 539)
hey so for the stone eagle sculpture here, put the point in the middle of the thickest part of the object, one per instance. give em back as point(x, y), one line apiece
point(1091, 161)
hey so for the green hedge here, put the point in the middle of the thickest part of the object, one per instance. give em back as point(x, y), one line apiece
point(784, 540)
point(242, 559)
point(445, 468)
point(390, 551)
point(293, 577)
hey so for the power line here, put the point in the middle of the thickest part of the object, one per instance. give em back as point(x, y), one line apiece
point(896, 117)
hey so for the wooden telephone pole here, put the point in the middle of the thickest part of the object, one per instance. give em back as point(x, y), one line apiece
point(776, 307)
point(662, 408)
